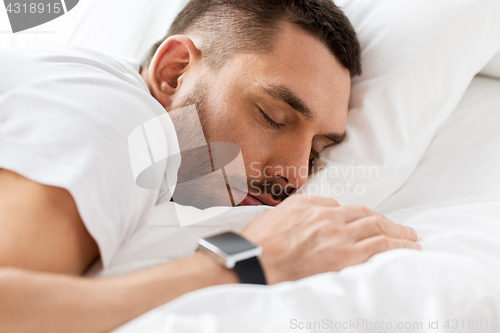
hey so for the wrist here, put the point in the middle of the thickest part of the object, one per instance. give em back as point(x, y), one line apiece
point(215, 274)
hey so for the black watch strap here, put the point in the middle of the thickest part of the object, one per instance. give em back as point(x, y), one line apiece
point(250, 271)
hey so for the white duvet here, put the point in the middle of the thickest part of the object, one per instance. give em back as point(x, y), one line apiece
point(452, 200)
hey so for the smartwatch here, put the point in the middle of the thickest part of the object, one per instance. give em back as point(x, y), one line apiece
point(235, 252)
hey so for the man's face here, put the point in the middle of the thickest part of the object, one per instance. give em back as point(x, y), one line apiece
point(279, 108)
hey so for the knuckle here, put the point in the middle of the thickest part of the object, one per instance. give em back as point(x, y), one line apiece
point(367, 211)
point(335, 230)
point(334, 202)
point(355, 207)
point(322, 213)
point(380, 224)
point(400, 231)
point(407, 245)
point(363, 209)
point(384, 242)
point(345, 252)
point(313, 237)
point(412, 245)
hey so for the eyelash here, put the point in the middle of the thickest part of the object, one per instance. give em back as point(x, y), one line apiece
point(271, 122)
point(280, 126)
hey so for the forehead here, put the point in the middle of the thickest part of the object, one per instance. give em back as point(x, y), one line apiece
point(305, 65)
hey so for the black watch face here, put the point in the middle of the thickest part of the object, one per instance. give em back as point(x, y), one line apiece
point(231, 243)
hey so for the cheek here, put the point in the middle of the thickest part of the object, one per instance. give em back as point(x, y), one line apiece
point(229, 118)
point(242, 131)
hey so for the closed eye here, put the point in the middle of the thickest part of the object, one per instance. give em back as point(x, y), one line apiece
point(270, 121)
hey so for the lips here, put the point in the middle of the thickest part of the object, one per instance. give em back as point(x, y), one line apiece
point(265, 200)
point(251, 201)
point(247, 199)
point(258, 200)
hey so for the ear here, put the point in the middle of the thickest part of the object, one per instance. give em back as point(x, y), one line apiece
point(175, 57)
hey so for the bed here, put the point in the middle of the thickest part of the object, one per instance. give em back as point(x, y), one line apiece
point(452, 199)
point(436, 158)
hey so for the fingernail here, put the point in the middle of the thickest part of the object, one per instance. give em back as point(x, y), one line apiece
point(418, 246)
point(413, 232)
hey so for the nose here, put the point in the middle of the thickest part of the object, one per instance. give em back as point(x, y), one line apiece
point(292, 165)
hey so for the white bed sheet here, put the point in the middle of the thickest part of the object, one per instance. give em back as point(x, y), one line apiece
point(452, 200)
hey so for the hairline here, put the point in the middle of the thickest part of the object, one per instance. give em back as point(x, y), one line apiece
point(193, 32)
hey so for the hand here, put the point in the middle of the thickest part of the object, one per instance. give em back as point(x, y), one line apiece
point(308, 235)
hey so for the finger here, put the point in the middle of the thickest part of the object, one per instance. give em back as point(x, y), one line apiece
point(379, 225)
point(373, 245)
point(311, 199)
point(354, 213)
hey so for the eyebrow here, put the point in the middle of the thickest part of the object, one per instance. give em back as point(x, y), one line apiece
point(282, 93)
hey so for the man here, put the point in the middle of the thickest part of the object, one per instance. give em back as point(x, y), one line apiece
point(272, 77)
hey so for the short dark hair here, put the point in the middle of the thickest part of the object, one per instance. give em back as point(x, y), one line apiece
point(227, 27)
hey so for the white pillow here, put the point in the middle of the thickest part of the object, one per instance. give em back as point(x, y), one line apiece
point(492, 68)
point(419, 57)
